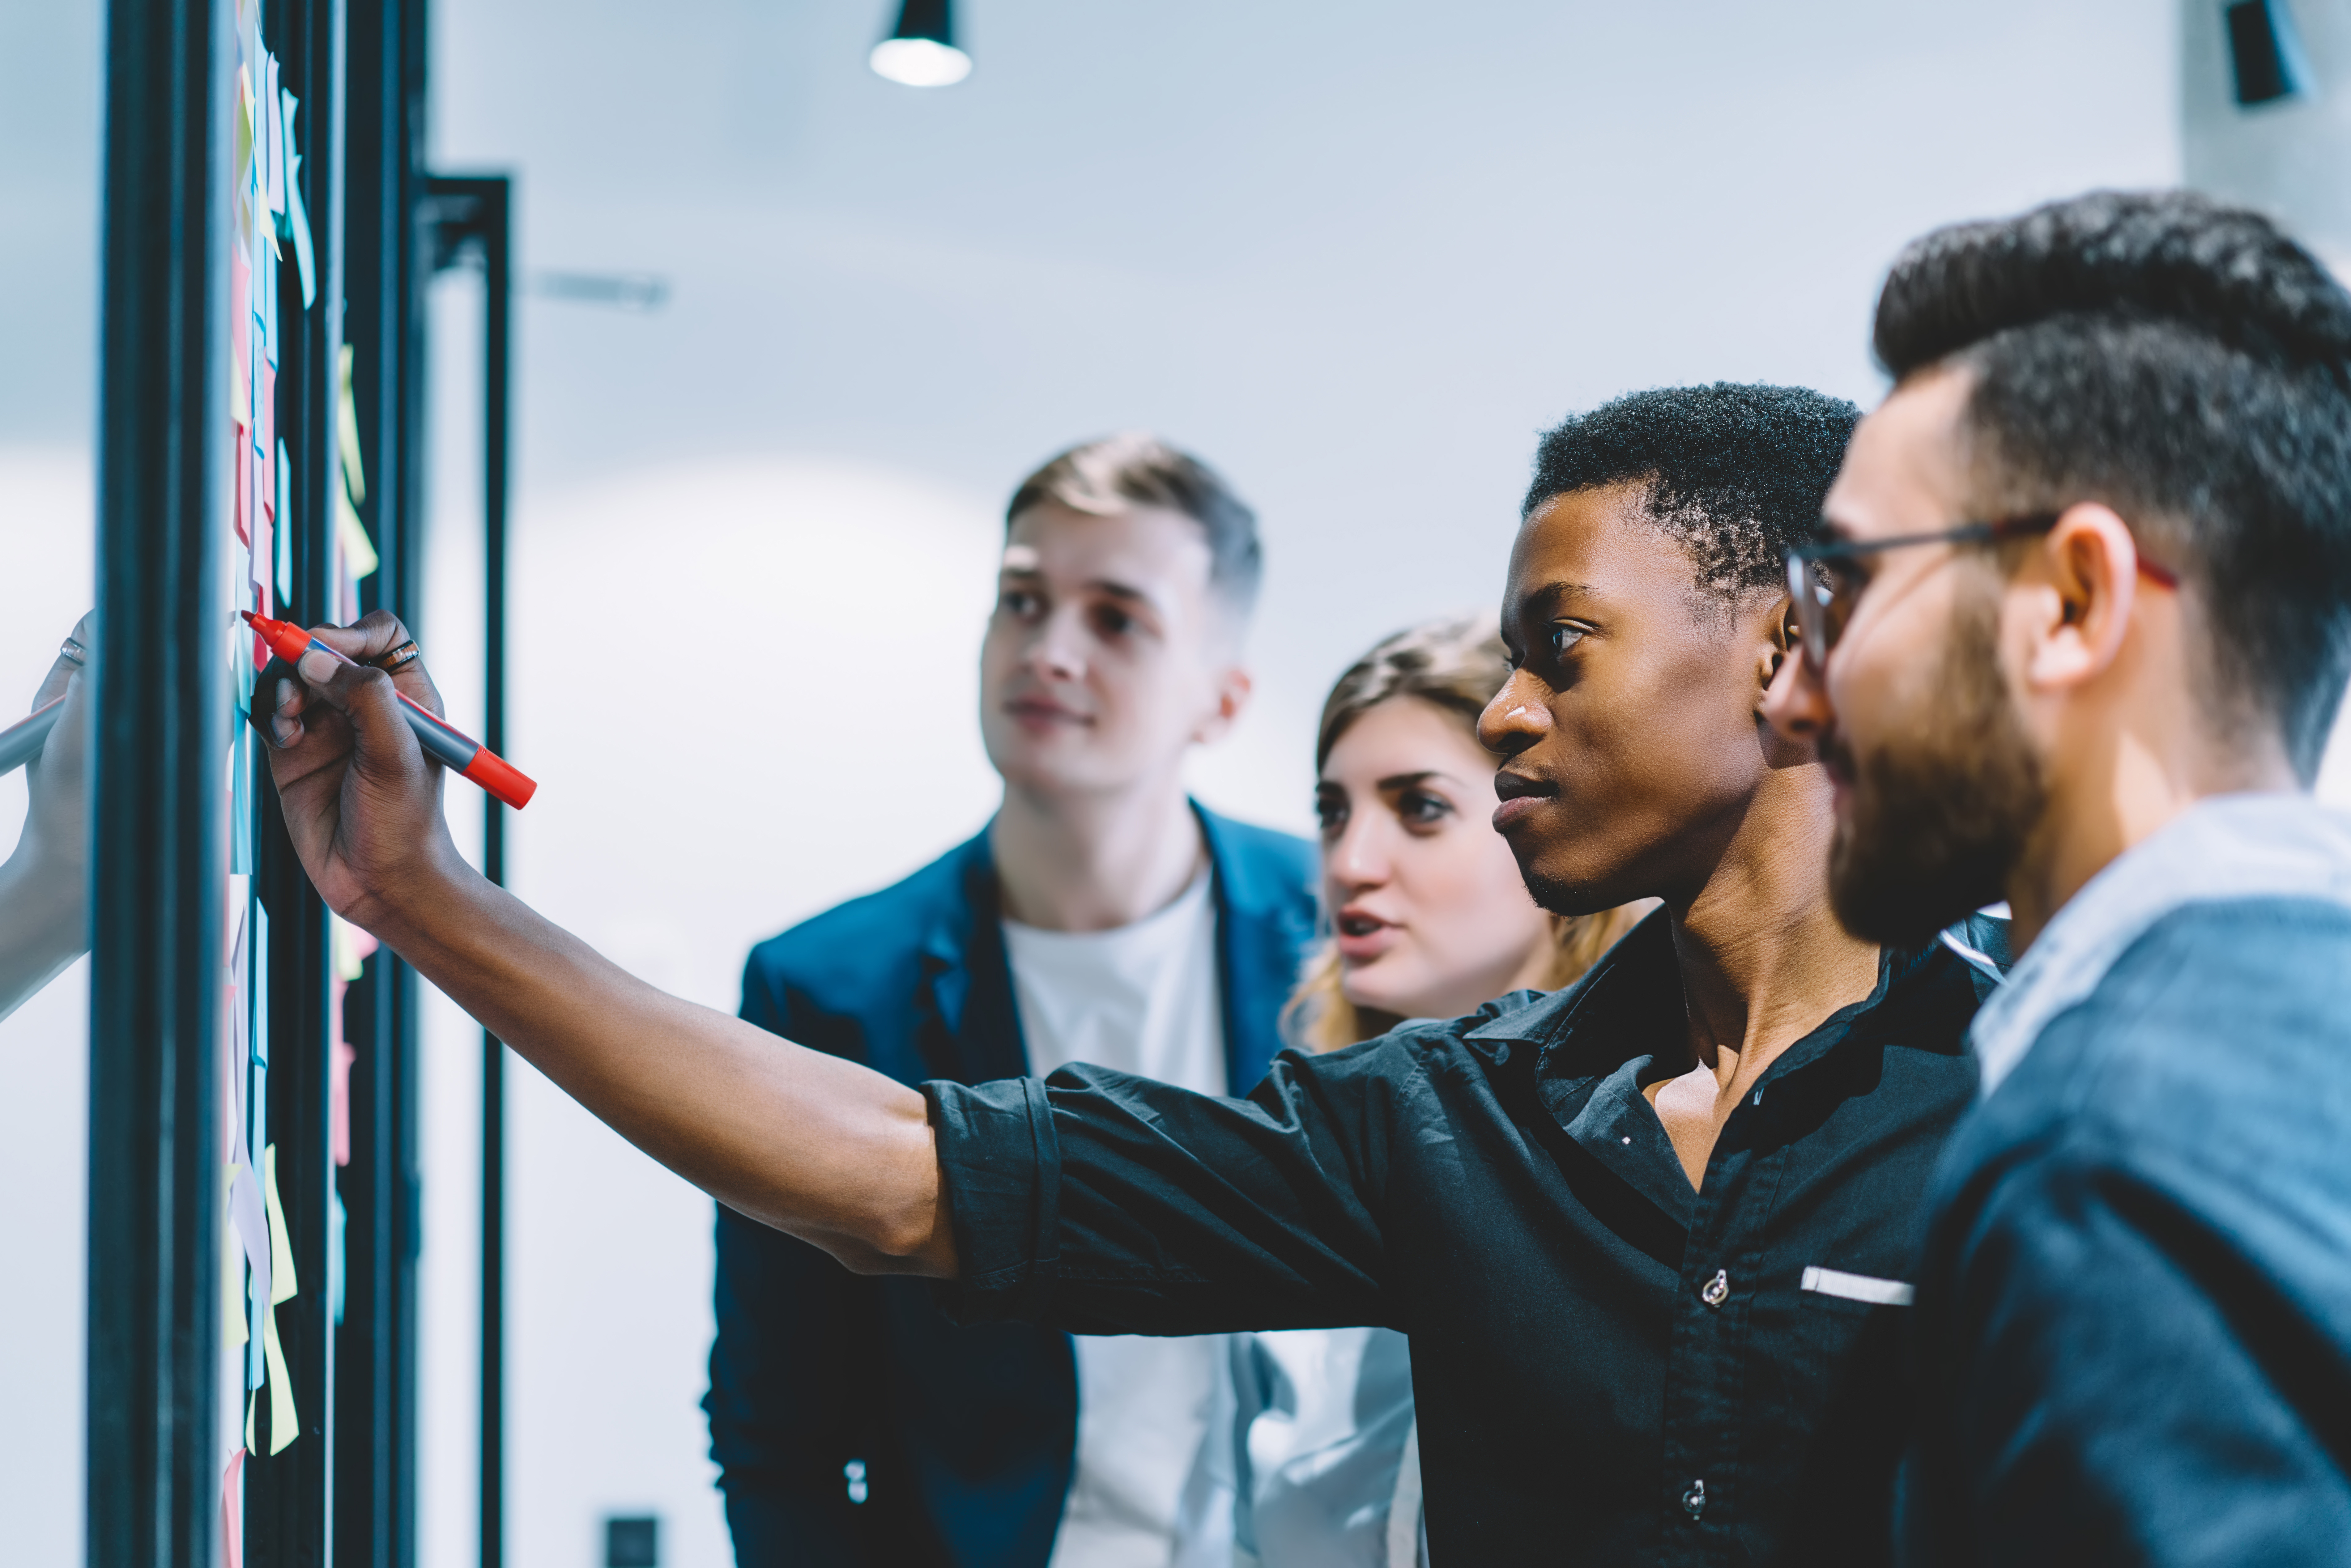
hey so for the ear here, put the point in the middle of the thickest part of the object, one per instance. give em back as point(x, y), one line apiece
point(1231, 691)
point(2082, 584)
point(1771, 635)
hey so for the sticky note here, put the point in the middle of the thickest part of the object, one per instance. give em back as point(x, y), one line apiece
point(347, 431)
point(232, 1511)
point(244, 133)
point(281, 1244)
point(252, 1239)
point(359, 552)
point(285, 1426)
point(285, 563)
point(241, 517)
point(240, 795)
point(271, 134)
point(260, 987)
point(338, 1093)
point(232, 1262)
point(298, 217)
point(353, 948)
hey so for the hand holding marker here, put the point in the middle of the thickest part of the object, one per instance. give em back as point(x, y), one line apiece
point(454, 750)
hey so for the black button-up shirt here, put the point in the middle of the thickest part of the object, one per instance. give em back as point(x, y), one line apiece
point(1609, 1366)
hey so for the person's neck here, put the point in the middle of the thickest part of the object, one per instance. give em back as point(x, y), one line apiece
point(1763, 959)
point(1094, 861)
point(2117, 786)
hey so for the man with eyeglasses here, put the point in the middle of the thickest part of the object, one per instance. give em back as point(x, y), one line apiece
point(2076, 637)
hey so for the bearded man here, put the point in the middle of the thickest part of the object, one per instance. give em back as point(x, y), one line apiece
point(2076, 637)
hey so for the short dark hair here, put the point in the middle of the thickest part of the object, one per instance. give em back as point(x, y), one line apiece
point(2189, 365)
point(1735, 472)
point(1136, 469)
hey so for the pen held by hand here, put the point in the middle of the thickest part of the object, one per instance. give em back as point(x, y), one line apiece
point(443, 742)
point(21, 742)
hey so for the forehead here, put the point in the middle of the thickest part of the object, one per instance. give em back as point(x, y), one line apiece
point(1599, 544)
point(1905, 471)
point(1148, 549)
point(1406, 734)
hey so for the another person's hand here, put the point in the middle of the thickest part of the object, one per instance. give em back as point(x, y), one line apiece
point(56, 819)
point(44, 882)
point(361, 800)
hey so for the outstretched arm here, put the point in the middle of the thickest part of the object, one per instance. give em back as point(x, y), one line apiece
point(828, 1151)
point(44, 883)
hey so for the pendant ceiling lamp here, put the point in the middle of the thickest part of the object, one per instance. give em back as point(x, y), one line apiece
point(922, 51)
point(2265, 56)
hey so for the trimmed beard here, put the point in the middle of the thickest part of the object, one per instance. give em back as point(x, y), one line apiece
point(1938, 816)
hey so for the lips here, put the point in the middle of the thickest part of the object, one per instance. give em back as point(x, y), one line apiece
point(1521, 796)
point(1043, 712)
point(1362, 936)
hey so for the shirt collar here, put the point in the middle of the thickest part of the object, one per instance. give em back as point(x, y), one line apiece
point(2229, 846)
point(1617, 1011)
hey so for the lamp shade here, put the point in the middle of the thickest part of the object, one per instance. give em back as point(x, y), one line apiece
point(921, 51)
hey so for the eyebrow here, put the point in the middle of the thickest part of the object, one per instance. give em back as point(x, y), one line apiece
point(1110, 587)
point(1406, 780)
point(1551, 594)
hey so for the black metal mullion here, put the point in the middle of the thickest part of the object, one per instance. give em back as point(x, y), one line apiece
point(161, 712)
point(497, 290)
point(474, 214)
point(289, 1502)
point(375, 1444)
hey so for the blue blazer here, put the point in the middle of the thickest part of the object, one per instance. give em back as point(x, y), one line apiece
point(851, 1422)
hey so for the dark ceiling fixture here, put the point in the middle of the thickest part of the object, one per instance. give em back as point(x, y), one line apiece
point(921, 51)
point(2265, 56)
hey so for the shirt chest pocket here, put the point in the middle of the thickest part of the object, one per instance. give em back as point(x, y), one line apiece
point(1824, 1284)
point(1837, 1332)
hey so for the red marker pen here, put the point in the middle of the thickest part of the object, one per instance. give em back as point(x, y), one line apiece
point(454, 749)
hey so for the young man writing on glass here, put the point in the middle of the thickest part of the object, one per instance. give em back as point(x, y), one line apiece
point(1645, 1233)
point(2076, 639)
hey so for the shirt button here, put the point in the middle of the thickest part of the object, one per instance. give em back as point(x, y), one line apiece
point(1714, 1293)
point(1694, 1500)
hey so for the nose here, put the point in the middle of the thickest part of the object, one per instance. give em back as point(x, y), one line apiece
point(1796, 702)
point(1357, 859)
point(1056, 648)
point(1514, 720)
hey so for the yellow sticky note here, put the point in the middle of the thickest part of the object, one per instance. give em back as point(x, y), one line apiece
point(252, 1403)
point(285, 1426)
point(358, 551)
point(281, 1244)
point(347, 428)
point(350, 962)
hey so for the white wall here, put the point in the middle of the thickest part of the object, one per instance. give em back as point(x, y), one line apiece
point(1356, 254)
point(49, 57)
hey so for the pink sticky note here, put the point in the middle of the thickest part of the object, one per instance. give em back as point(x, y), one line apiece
point(339, 1104)
point(243, 484)
point(232, 1511)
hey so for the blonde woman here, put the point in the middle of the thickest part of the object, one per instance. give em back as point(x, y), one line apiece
point(1427, 919)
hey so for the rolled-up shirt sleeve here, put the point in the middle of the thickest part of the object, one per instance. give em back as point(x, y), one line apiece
point(1102, 1203)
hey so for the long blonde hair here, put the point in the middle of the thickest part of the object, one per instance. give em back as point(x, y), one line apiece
point(1456, 665)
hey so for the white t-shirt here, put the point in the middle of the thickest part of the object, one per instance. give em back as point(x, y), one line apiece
point(1143, 998)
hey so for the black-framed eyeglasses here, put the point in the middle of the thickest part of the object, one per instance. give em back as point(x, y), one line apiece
point(1825, 581)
